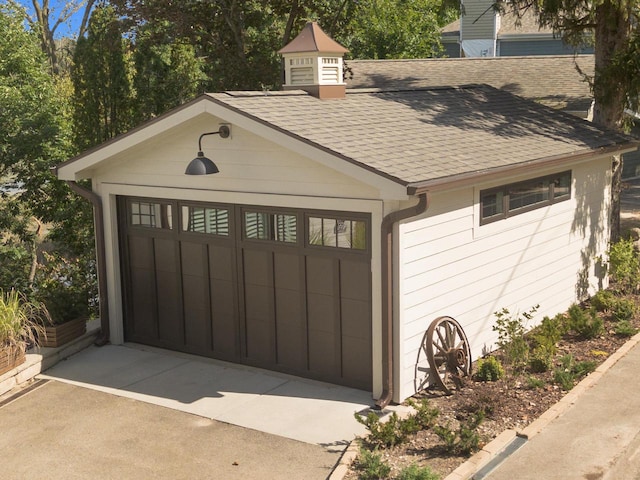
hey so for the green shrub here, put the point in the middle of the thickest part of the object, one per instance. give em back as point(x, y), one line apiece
point(534, 383)
point(424, 415)
point(541, 359)
point(603, 300)
point(625, 329)
point(550, 332)
point(489, 369)
point(370, 466)
point(585, 323)
point(511, 336)
point(384, 434)
point(465, 440)
point(570, 371)
point(415, 472)
point(624, 266)
point(623, 309)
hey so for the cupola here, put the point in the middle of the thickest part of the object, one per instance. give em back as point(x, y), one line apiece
point(314, 62)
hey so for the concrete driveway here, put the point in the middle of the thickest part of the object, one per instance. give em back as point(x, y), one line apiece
point(62, 431)
point(291, 407)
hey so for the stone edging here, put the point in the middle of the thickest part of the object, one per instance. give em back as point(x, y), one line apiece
point(499, 444)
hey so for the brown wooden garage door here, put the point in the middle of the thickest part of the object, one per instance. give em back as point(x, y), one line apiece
point(282, 289)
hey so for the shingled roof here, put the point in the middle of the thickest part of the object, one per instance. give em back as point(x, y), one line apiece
point(418, 137)
point(550, 80)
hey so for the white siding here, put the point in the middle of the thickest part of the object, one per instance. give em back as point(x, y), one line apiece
point(478, 20)
point(449, 265)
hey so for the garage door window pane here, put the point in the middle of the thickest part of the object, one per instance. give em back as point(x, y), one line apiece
point(340, 233)
point(270, 226)
point(214, 221)
point(151, 214)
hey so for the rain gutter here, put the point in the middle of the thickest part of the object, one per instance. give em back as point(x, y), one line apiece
point(98, 221)
point(386, 228)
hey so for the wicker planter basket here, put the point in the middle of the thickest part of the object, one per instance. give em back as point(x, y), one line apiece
point(58, 335)
point(10, 358)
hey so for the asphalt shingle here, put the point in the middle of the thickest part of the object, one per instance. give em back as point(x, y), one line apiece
point(420, 135)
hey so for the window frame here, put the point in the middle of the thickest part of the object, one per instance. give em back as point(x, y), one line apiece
point(338, 216)
point(507, 189)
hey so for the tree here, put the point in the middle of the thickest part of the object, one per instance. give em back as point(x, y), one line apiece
point(46, 26)
point(614, 27)
point(101, 76)
point(398, 28)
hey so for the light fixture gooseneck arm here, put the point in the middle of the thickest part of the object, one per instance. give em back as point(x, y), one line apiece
point(223, 132)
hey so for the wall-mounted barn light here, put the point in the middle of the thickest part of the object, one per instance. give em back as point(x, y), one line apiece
point(201, 165)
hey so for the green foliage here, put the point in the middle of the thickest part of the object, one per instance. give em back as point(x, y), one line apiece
point(624, 328)
point(391, 29)
point(102, 80)
point(489, 369)
point(466, 439)
point(585, 323)
point(541, 359)
point(424, 415)
point(370, 466)
point(511, 336)
point(624, 266)
point(415, 472)
point(20, 320)
point(623, 309)
point(386, 433)
point(534, 383)
point(570, 371)
point(603, 300)
point(65, 287)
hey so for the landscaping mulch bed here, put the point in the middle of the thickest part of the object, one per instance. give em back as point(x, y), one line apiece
point(509, 403)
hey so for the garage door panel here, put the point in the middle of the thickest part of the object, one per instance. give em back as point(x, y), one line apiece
point(259, 323)
point(287, 271)
point(169, 308)
point(221, 262)
point(196, 312)
point(356, 317)
point(143, 302)
point(224, 318)
point(194, 259)
point(321, 275)
point(257, 267)
point(165, 255)
point(354, 280)
point(322, 313)
point(323, 355)
point(290, 329)
point(354, 370)
point(140, 252)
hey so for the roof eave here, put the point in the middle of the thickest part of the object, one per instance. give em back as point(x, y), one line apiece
point(471, 178)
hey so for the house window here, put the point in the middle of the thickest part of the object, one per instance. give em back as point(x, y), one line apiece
point(336, 232)
point(509, 200)
point(210, 220)
point(151, 215)
point(277, 227)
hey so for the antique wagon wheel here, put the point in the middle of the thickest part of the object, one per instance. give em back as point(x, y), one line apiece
point(448, 353)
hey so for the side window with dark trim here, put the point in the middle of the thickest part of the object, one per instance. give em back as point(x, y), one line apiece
point(278, 227)
point(509, 200)
point(336, 232)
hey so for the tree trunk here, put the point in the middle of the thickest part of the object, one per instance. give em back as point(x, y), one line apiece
point(612, 33)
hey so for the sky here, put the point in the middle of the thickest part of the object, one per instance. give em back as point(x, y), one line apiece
point(67, 29)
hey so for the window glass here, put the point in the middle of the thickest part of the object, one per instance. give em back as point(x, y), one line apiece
point(151, 214)
point(562, 185)
point(209, 220)
point(530, 193)
point(492, 204)
point(278, 227)
point(341, 233)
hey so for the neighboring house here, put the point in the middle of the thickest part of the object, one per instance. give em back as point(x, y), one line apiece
point(481, 31)
point(342, 223)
